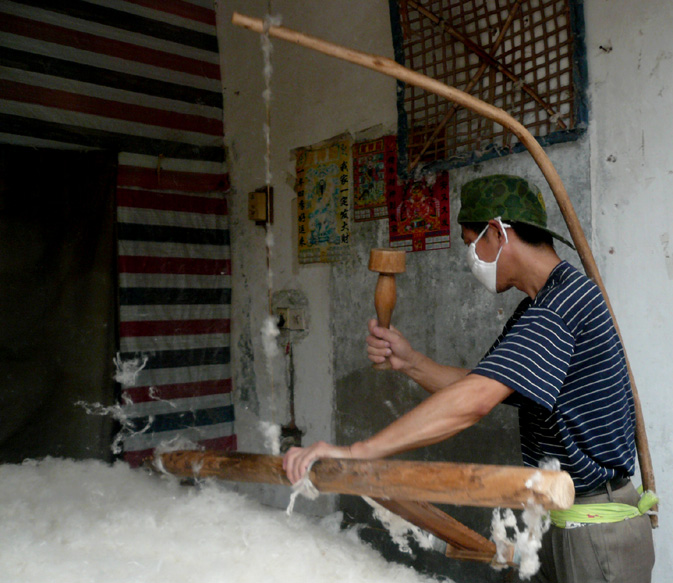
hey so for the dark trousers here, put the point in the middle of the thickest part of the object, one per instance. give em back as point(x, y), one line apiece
point(620, 552)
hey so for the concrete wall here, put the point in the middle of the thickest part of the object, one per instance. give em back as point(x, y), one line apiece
point(617, 177)
point(632, 195)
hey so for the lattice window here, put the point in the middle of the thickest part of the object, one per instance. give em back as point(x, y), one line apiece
point(524, 56)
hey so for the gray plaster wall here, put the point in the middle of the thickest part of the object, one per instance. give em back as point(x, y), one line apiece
point(630, 52)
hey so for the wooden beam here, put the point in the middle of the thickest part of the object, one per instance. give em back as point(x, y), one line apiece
point(440, 482)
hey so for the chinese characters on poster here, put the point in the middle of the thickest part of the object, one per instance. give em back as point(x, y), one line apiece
point(374, 177)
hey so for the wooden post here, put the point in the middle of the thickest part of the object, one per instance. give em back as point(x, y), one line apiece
point(441, 482)
point(390, 68)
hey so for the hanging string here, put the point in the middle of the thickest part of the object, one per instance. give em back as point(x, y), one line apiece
point(270, 330)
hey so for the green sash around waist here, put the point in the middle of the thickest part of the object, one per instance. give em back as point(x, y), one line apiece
point(604, 512)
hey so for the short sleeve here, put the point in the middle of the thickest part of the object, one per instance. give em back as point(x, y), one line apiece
point(533, 357)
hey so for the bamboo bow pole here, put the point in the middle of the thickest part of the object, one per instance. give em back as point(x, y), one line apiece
point(393, 69)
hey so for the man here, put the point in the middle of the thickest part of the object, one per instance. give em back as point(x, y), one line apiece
point(559, 360)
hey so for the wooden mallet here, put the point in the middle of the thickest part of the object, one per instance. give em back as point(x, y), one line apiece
point(386, 262)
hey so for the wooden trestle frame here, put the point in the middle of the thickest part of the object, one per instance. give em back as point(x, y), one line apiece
point(406, 488)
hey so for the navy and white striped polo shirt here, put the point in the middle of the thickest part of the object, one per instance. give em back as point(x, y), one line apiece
point(562, 356)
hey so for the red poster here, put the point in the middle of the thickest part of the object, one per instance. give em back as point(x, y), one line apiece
point(419, 214)
point(374, 177)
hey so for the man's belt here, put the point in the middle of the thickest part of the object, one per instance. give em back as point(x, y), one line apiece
point(605, 487)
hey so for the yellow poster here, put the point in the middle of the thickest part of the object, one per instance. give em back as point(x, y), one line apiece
point(323, 189)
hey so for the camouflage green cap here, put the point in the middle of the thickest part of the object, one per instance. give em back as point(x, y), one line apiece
point(509, 197)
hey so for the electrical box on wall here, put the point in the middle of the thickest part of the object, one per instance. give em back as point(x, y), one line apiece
point(290, 307)
point(291, 319)
point(260, 205)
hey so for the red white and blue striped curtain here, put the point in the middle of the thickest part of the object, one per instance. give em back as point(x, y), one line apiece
point(174, 296)
point(142, 78)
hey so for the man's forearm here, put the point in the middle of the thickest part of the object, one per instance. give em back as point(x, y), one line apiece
point(442, 415)
point(431, 375)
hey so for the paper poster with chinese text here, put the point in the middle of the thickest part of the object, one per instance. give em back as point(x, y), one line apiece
point(323, 189)
point(419, 214)
point(374, 177)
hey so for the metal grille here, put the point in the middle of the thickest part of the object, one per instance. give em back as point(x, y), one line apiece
point(516, 55)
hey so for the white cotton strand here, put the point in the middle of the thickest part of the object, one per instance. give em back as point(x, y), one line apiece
point(270, 332)
point(269, 240)
point(535, 479)
point(267, 154)
point(525, 543)
point(118, 413)
point(501, 520)
point(123, 414)
point(267, 46)
point(303, 487)
point(271, 20)
point(115, 411)
point(550, 463)
point(267, 49)
point(178, 443)
point(529, 541)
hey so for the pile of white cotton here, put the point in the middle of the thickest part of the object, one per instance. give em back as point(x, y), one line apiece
point(63, 521)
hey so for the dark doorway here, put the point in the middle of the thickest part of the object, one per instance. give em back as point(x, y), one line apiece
point(57, 302)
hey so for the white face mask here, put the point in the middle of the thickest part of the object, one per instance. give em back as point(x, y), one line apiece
point(484, 271)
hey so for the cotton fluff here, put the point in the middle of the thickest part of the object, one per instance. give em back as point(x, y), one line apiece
point(303, 487)
point(526, 543)
point(271, 433)
point(270, 332)
point(118, 413)
point(127, 370)
point(399, 528)
point(65, 521)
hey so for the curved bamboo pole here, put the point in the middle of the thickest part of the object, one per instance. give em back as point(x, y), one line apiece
point(391, 68)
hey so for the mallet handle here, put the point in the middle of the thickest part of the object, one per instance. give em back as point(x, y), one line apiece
point(385, 297)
